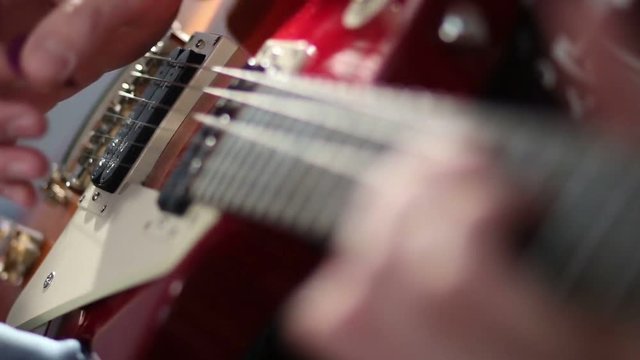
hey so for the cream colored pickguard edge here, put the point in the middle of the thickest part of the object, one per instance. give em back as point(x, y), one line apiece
point(101, 254)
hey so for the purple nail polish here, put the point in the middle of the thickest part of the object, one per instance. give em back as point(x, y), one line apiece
point(14, 49)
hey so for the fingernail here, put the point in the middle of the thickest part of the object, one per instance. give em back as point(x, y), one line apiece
point(20, 170)
point(14, 49)
point(53, 62)
point(20, 127)
point(20, 196)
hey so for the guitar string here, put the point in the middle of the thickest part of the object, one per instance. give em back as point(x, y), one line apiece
point(344, 124)
point(283, 142)
point(228, 94)
point(372, 100)
point(323, 146)
point(327, 90)
point(332, 118)
point(115, 138)
point(326, 145)
point(99, 158)
point(282, 135)
point(315, 150)
point(129, 119)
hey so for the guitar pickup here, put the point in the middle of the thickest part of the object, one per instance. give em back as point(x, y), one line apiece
point(157, 100)
point(172, 93)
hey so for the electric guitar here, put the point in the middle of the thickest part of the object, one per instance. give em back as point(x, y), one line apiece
point(157, 253)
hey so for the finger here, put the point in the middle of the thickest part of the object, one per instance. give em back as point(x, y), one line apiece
point(396, 181)
point(18, 120)
point(17, 19)
point(77, 31)
point(19, 192)
point(38, 100)
point(20, 163)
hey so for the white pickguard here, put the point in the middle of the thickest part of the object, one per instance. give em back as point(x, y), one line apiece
point(103, 253)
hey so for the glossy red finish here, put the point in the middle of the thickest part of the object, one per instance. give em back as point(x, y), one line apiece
point(401, 45)
point(223, 295)
point(253, 22)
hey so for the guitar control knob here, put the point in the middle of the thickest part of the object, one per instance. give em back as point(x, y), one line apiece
point(20, 248)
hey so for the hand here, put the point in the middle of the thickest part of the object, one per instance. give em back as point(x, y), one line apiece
point(425, 267)
point(50, 49)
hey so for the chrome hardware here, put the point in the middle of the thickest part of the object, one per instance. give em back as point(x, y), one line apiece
point(360, 12)
point(20, 248)
point(56, 189)
point(284, 56)
point(210, 141)
point(95, 196)
point(49, 280)
point(103, 124)
point(103, 209)
point(464, 26)
point(196, 164)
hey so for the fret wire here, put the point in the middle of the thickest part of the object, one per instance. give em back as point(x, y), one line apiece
point(217, 168)
point(279, 197)
point(302, 202)
point(242, 155)
point(245, 188)
point(235, 171)
point(255, 117)
point(301, 194)
point(221, 169)
point(237, 160)
point(280, 172)
point(274, 172)
point(285, 144)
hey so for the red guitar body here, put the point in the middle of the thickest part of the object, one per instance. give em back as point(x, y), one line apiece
point(224, 295)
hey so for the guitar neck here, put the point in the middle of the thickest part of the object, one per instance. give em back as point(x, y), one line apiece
point(293, 166)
